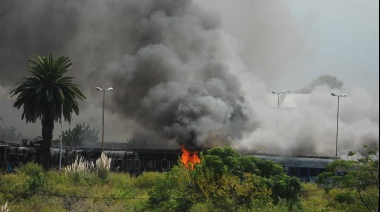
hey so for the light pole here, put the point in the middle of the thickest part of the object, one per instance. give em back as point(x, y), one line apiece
point(104, 94)
point(60, 143)
point(337, 123)
point(278, 101)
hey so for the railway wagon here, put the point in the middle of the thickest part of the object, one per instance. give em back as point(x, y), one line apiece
point(133, 161)
point(305, 168)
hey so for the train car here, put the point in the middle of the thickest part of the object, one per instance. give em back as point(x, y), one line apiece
point(133, 161)
point(305, 168)
point(12, 156)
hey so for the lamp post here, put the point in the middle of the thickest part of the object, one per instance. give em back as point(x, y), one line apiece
point(278, 101)
point(337, 123)
point(60, 143)
point(104, 94)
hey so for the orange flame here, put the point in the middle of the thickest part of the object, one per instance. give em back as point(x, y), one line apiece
point(189, 157)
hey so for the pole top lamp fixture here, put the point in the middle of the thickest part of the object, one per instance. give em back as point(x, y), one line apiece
point(339, 95)
point(101, 89)
point(279, 92)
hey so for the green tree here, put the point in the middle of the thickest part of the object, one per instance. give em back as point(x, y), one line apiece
point(9, 133)
point(328, 80)
point(44, 92)
point(359, 173)
point(227, 181)
point(80, 134)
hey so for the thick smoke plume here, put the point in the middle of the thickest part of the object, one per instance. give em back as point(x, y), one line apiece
point(176, 76)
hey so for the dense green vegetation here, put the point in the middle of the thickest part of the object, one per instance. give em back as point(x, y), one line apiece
point(360, 173)
point(223, 181)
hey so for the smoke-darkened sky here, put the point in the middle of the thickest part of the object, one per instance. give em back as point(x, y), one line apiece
point(199, 72)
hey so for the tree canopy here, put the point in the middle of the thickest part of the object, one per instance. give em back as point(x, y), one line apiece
point(9, 133)
point(80, 134)
point(227, 181)
point(47, 94)
point(360, 173)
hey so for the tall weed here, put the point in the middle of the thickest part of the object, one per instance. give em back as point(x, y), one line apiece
point(4, 208)
point(103, 166)
point(79, 168)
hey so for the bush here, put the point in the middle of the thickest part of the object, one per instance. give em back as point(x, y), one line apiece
point(148, 179)
point(345, 197)
point(31, 169)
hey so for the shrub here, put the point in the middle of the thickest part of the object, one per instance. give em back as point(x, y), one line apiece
point(344, 197)
point(148, 179)
point(31, 169)
point(36, 180)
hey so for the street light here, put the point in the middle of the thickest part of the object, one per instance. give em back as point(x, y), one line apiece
point(278, 101)
point(337, 118)
point(60, 143)
point(104, 94)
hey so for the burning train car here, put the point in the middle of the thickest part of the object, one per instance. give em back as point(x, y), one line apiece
point(137, 161)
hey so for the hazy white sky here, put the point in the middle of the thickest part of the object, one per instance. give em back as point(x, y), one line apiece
point(314, 37)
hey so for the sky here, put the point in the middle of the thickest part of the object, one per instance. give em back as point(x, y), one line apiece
point(306, 39)
point(199, 73)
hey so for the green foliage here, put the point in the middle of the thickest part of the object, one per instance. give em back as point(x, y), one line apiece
point(36, 181)
point(48, 95)
point(344, 197)
point(80, 134)
point(148, 180)
point(9, 134)
point(223, 152)
point(177, 190)
point(359, 173)
point(46, 89)
point(172, 192)
point(271, 174)
point(13, 186)
point(31, 169)
point(226, 181)
point(27, 181)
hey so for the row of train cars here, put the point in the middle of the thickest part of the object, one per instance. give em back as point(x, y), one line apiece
point(137, 161)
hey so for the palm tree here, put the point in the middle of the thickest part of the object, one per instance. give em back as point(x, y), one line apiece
point(43, 93)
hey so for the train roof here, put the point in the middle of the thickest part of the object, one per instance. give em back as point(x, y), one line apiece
point(298, 161)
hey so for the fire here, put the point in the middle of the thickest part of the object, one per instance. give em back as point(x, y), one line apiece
point(189, 157)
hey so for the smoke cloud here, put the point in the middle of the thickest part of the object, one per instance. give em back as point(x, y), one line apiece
point(177, 75)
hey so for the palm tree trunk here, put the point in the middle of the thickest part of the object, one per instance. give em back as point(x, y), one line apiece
point(47, 136)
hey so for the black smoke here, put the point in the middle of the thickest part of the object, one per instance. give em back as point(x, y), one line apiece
point(166, 60)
